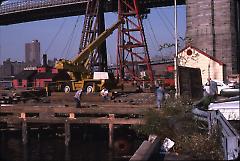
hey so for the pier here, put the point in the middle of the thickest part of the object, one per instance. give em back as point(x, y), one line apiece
point(118, 114)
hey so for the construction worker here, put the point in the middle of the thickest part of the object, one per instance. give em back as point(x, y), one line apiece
point(160, 94)
point(104, 93)
point(209, 95)
point(213, 90)
point(77, 98)
point(48, 91)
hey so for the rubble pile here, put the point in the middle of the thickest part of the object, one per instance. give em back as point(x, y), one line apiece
point(136, 98)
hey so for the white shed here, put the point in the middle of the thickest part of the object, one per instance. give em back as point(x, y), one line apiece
point(209, 66)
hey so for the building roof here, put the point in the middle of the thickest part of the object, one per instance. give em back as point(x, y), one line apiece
point(203, 53)
point(26, 74)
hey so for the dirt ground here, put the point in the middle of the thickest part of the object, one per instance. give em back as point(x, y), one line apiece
point(127, 98)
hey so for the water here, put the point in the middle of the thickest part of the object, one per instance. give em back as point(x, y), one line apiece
point(87, 144)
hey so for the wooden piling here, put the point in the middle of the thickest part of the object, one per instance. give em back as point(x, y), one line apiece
point(111, 127)
point(24, 131)
point(67, 133)
point(51, 115)
point(72, 115)
point(22, 115)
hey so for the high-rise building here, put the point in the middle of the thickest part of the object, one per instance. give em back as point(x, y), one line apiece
point(32, 53)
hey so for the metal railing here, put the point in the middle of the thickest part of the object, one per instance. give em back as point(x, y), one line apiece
point(30, 4)
point(230, 138)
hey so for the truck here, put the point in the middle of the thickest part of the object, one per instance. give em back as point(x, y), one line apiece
point(81, 76)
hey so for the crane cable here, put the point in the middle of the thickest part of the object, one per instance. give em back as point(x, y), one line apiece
point(161, 17)
point(169, 22)
point(55, 36)
point(155, 43)
point(154, 35)
point(169, 46)
point(149, 37)
point(68, 44)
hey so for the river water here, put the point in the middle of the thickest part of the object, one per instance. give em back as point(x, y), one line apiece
point(47, 144)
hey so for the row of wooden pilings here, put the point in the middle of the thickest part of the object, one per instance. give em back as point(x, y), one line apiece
point(67, 130)
point(110, 115)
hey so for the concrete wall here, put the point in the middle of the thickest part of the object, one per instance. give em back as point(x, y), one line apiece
point(208, 66)
point(211, 28)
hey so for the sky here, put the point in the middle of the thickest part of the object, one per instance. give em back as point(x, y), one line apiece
point(60, 38)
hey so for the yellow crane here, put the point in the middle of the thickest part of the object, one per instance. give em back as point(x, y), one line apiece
point(78, 70)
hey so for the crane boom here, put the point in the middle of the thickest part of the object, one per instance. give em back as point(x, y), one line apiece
point(81, 77)
point(78, 64)
point(103, 36)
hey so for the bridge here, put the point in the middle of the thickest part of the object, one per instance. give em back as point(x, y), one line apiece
point(25, 11)
point(212, 26)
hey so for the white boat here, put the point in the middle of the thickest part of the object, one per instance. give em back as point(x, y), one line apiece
point(228, 107)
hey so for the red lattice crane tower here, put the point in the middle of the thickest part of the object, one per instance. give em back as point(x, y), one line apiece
point(133, 61)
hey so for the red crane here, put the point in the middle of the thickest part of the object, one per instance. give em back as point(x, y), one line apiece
point(133, 61)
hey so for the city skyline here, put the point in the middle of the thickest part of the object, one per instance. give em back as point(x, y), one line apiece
point(60, 37)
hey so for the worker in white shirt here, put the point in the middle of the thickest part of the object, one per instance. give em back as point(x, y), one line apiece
point(104, 93)
point(77, 98)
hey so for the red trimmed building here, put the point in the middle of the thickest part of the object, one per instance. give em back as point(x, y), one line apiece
point(38, 77)
point(25, 78)
point(210, 66)
point(44, 76)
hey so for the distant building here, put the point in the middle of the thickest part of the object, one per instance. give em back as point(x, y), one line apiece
point(51, 63)
point(160, 66)
point(41, 76)
point(7, 68)
point(32, 53)
point(18, 67)
point(163, 71)
point(11, 68)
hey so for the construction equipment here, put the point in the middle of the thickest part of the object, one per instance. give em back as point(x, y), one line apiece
point(80, 71)
point(132, 58)
point(133, 61)
point(94, 25)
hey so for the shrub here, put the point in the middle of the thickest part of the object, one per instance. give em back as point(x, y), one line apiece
point(175, 121)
